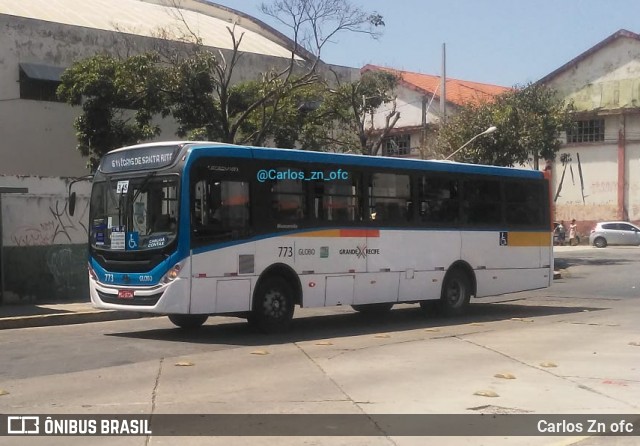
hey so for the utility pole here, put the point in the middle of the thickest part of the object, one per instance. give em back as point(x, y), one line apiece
point(423, 130)
point(443, 86)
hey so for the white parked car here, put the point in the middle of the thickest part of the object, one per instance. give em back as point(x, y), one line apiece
point(614, 233)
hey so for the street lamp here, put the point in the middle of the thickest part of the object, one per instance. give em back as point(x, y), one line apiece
point(491, 129)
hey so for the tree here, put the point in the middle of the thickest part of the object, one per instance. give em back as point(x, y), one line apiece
point(249, 112)
point(198, 85)
point(344, 119)
point(119, 99)
point(529, 120)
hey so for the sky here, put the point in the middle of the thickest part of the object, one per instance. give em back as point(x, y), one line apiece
point(501, 42)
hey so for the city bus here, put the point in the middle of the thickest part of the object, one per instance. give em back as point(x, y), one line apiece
point(194, 229)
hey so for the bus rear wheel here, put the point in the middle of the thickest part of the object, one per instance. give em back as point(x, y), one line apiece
point(273, 306)
point(188, 321)
point(456, 293)
point(373, 308)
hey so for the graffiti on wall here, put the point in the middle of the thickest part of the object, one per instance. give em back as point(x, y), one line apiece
point(67, 267)
point(59, 228)
point(604, 187)
point(567, 162)
point(46, 260)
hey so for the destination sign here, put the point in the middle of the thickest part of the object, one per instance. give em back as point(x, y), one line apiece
point(143, 158)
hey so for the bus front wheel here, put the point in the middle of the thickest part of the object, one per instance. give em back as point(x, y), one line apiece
point(456, 293)
point(273, 306)
point(188, 321)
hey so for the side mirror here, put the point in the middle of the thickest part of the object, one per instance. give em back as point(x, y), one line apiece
point(72, 195)
point(72, 203)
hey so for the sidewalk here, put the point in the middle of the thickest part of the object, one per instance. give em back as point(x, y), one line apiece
point(41, 315)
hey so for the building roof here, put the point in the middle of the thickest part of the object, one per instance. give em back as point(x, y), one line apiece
point(458, 92)
point(145, 17)
point(623, 33)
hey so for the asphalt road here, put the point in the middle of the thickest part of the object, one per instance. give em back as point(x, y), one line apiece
point(600, 273)
point(572, 348)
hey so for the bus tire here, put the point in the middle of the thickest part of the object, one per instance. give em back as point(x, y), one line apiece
point(456, 293)
point(273, 306)
point(373, 308)
point(188, 321)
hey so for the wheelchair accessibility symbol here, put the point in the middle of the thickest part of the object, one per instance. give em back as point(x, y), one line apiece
point(132, 241)
point(504, 238)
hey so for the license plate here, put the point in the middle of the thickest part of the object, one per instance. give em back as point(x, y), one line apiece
point(125, 294)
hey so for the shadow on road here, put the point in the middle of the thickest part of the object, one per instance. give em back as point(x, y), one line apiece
point(312, 327)
point(566, 262)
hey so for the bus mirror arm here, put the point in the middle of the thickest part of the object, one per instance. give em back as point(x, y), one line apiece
point(72, 195)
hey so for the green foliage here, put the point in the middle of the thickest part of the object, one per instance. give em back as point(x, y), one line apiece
point(290, 114)
point(529, 120)
point(194, 99)
point(118, 99)
point(342, 122)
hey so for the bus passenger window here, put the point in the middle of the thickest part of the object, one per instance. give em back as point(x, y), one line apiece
point(439, 200)
point(337, 201)
point(482, 202)
point(522, 204)
point(220, 209)
point(288, 199)
point(389, 198)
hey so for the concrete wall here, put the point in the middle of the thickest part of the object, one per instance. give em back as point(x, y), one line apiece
point(633, 181)
point(589, 189)
point(603, 85)
point(44, 249)
point(608, 79)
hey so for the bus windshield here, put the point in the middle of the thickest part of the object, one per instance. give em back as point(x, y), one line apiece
point(138, 213)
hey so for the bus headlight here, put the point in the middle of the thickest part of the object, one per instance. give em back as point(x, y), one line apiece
point(173, 273)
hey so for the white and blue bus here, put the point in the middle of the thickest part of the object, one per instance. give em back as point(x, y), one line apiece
point(193, 229)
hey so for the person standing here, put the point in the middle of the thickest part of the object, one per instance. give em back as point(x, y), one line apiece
point(573, 233)
point(562, 233)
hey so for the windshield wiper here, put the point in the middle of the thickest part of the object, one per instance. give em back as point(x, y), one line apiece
point(129, 205)
point(112, 195)
point(144, 183)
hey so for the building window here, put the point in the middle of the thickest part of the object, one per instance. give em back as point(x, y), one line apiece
point(397, 145)
point(586, 131)
point(39, 82)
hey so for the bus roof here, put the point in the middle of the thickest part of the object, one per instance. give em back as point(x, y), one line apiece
point(344, 159)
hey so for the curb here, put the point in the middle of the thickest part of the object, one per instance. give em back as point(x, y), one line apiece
point(46, 320)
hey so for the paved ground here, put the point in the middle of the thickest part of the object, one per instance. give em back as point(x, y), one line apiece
point(566, 355)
